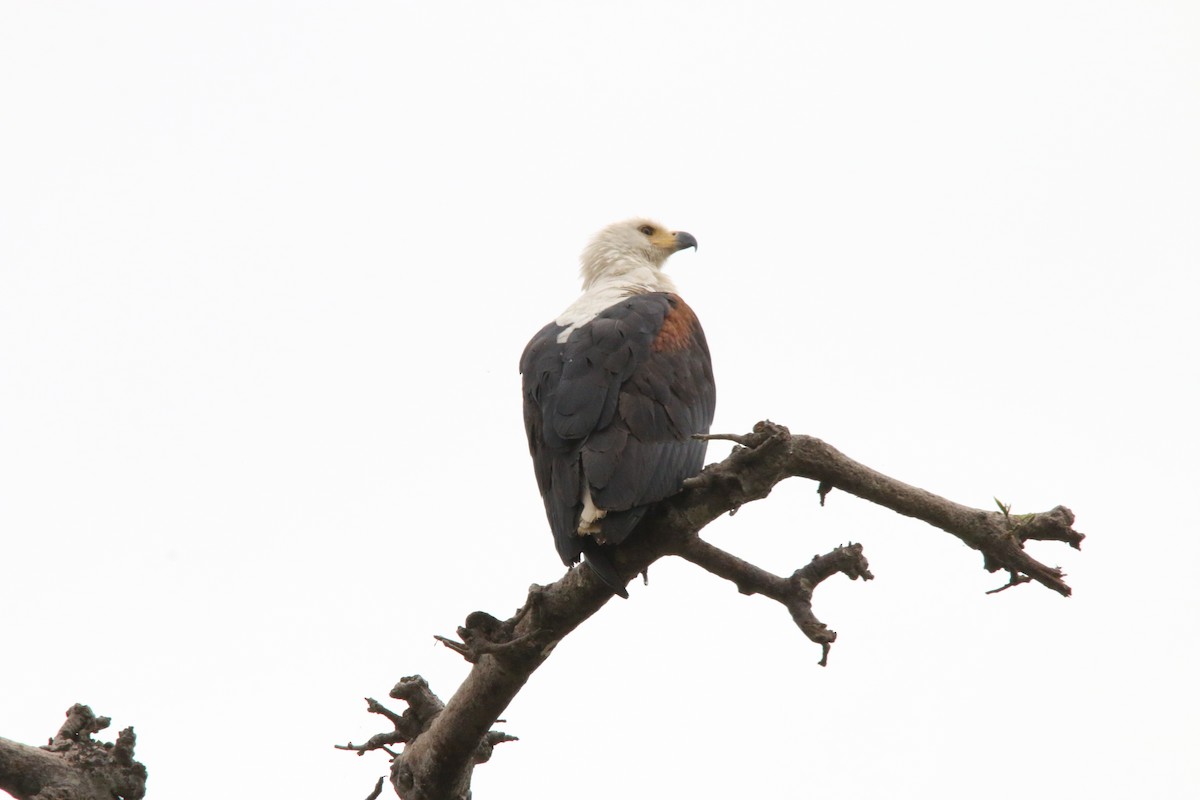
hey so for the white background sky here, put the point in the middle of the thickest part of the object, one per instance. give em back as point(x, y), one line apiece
point(266, 270)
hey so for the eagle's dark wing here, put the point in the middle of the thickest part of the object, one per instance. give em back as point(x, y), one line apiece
point(616, 406)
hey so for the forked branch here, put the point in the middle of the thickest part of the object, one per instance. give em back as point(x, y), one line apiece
point(444, 743)
point(773, 454)
point(795, 592)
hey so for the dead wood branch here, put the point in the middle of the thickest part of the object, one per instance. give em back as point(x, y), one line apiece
point(795, 593)
point(424, 708)
point(444, 743)
point(73, 765)
point(775, 454)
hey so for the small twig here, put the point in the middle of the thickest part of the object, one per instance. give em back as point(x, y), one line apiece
point(1014, 579)
point(378, 788)
point(744, 439)
point(457, 647)
point(376, 707)
point(379, 741)
point(493, 738)
point(477, 645)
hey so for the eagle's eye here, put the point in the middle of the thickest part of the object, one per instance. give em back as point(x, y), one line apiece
point(646, 229)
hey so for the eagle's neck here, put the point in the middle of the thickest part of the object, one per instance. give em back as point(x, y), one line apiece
point(604, 288)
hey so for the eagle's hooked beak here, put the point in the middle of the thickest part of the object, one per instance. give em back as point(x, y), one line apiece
point(684, 240)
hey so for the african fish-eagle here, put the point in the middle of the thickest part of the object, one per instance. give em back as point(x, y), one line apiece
point(615, 388)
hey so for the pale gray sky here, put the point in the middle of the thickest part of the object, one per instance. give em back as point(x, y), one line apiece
point(266, 270)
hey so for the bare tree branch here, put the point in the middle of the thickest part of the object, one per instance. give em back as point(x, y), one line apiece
point(438, 758)
point(795, 593)
point(775, 454)
point(73, 765)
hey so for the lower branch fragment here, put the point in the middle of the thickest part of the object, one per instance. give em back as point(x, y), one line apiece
point(73, 765)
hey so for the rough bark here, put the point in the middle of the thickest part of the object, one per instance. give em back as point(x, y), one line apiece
point(73, 766)
point(444, 742)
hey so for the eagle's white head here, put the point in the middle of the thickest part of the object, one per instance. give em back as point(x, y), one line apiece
point(622, 260)
point(632, 251)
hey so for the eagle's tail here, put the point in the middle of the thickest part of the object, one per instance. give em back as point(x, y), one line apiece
point(596, 558)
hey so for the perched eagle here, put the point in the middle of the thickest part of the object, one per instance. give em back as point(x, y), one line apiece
point(614, 390)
